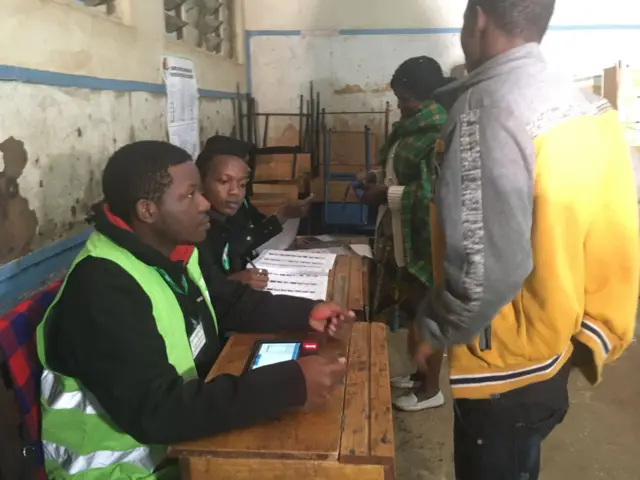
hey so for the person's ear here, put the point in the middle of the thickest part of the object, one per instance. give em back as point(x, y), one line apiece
point(481, 20)
point(147, 211)
point(475, 20)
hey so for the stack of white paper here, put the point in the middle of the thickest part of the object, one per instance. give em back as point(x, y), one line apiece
point(313, 287)
point(296, 262)
point(297, 273)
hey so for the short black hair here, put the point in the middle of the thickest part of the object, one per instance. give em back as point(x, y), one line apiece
point(139, 171)
point(221, 145)
point(526, 18)
point(420, 77)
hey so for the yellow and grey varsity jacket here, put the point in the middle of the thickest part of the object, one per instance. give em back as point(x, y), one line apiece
point(534, 229)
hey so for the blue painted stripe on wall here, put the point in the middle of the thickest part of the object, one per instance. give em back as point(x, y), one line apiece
point(273, 33)
point(456, 30)
point(400, 31)
point(57, 79)
point(249, 34)
point(428, 30)
point(32, 272)
point(580, 28)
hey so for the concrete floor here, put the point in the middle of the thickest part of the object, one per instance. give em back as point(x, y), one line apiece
point(599, 439)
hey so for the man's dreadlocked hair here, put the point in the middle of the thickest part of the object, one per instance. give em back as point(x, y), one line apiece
point(139, 171)
point(527, 18)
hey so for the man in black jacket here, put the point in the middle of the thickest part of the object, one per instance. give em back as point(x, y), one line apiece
point(103, 333)
point(238, 228)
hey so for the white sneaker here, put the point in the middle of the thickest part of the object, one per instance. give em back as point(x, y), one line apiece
point(411, 403)
point(405, 382)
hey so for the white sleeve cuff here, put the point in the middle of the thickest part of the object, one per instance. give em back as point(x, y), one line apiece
point(394, 198)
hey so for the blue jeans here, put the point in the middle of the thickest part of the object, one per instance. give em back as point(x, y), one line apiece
point(500, 439)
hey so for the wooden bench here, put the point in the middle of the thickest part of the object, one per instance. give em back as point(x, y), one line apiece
point(351, 437)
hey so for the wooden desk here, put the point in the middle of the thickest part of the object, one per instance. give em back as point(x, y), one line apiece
point(349, 284)
point(351, 437)
point(349, 279)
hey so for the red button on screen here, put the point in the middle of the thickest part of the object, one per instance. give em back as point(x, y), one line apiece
point(310, 346)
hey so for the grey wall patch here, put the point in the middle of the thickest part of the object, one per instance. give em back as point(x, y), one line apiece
point(471, 190)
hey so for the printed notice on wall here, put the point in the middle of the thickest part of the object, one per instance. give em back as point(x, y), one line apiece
point(182, 103)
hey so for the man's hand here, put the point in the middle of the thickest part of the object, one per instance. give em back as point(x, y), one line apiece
point(332, 319)
point(295, 209)
point(419, 350)
point(256, 278)
point(321, 374)
point(374, 194)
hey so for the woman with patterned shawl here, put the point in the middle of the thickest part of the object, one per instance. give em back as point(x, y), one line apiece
point(401, 189)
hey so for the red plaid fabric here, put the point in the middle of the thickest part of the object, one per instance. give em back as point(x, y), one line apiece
point(18, 345)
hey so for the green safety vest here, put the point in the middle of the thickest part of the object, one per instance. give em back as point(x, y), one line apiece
point(79, 440)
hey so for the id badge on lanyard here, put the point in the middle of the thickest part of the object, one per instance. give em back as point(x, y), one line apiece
point(197, 338)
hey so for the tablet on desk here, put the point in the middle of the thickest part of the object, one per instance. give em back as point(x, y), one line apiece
point(269, 352)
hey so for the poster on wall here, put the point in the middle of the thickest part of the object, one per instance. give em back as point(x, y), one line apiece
point(182, 103)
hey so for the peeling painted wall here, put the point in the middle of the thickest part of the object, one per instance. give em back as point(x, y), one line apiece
point(54, 141)
point(351, 48)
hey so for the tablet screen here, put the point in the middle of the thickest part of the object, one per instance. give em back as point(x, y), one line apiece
point(270, 353)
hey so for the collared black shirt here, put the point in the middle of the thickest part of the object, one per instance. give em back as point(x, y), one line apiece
point(240, 235)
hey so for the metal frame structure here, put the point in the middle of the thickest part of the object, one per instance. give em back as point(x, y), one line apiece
point(314, 138)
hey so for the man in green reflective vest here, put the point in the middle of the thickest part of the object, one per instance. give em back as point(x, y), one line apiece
point(137, 326)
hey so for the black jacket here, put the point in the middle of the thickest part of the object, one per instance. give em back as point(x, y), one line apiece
point(244, 232)
point(103, 333)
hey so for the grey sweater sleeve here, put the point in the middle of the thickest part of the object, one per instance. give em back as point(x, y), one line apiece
point(484, 200)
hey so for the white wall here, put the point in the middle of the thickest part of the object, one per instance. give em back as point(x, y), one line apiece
point(66, 132)
point(350, 48)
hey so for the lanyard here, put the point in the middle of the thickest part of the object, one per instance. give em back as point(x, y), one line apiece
point(225, 258)
point(176, 289)
point(225, 253)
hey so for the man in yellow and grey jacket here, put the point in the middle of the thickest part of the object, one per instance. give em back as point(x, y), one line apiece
point(535, 242)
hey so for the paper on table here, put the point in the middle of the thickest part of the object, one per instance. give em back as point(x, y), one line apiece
point(313, 287)
point(300, 262)
point(336, 250)
point(325, 238)
point(284, 239)
point(363, 250)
